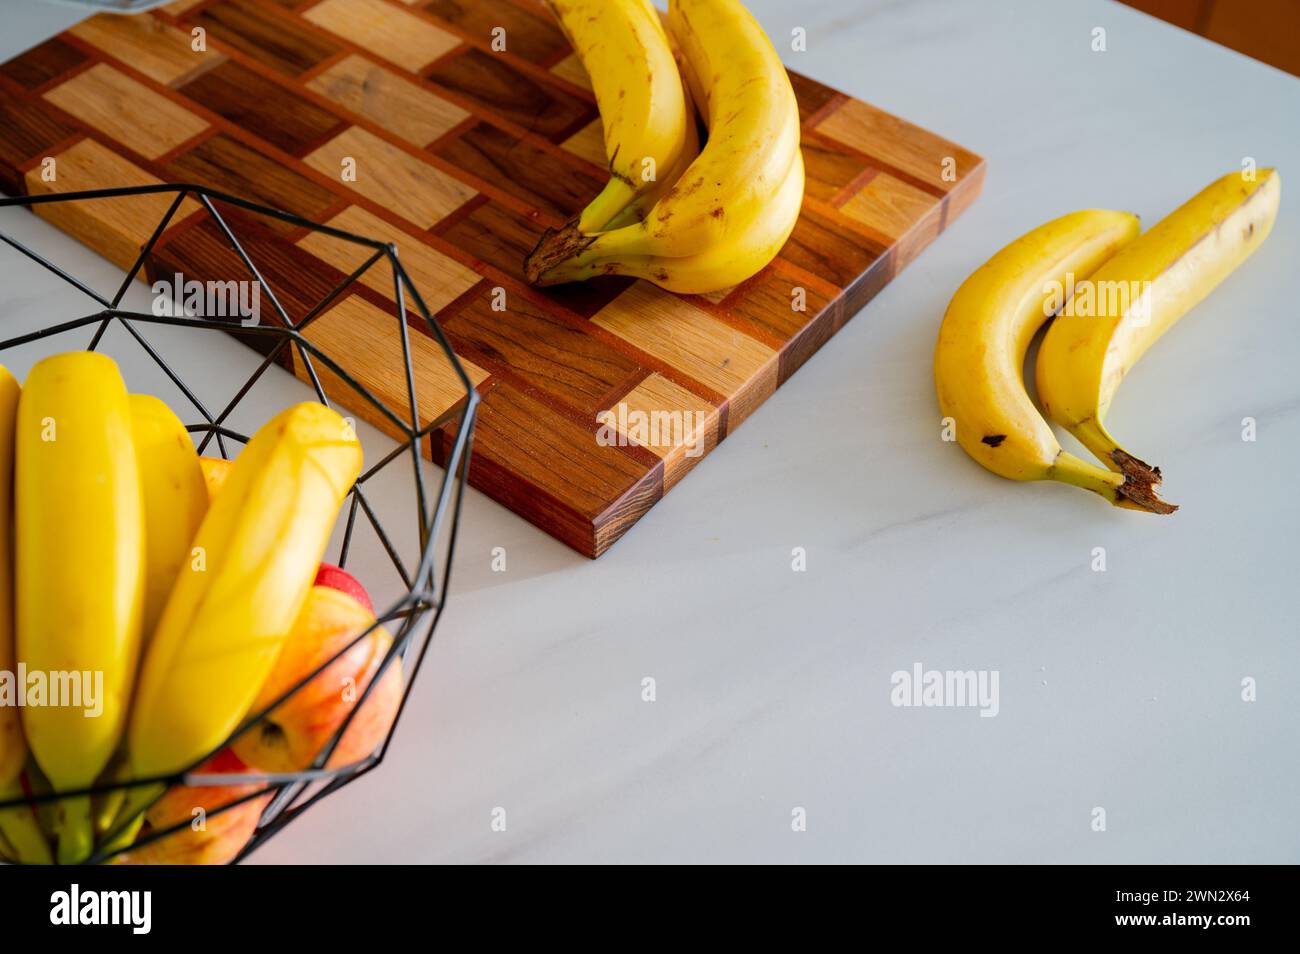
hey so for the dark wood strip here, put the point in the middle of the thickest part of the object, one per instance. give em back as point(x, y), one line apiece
point(575, 486)
point(229, 165)
point(831, 169)
point(286, 43)
point(43, 65)
point(551, 355)
point(483, 155)
point(501, 238)
point(814, 99)
point(768, 301)
point(266, 109)
point(199, 250)
point(31, 130)
point(820, 245)
point(468, 237)
point(537, 39)
point(628, 509)
point(812, 138)
point(488, 84)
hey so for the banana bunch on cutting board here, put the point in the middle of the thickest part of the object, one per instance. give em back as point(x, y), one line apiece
point(151, 601)
point(1110, 294)
point(691, 217)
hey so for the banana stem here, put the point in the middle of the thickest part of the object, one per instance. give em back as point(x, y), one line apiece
point(617, 195)
point(1073, 470)
point(108, 805)
point(1123, 490)
point(1093, 435)
point(134, 805)
point(1140, 478)
point(107, 811)
point(554, 254)
point(74, 830)
point(123, 838)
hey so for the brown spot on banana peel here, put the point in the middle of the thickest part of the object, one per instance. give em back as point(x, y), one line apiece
point(555, 246)
point(993, 440)
point(691, 189)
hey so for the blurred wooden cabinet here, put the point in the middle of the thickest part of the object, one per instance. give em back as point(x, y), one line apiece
point(1268, 30)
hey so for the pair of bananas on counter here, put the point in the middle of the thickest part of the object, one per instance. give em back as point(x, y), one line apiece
point(691, 220)
point(121, 567)
point(1129, 289)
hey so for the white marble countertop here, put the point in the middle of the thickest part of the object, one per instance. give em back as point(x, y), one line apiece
point(1119, 689)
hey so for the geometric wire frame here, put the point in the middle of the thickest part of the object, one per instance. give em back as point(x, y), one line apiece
point(413, 617)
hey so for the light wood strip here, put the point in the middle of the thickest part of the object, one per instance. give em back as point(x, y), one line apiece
point(398, 181)
point(415, 113)
point(440, 279)
point(589, 144)
point(115, 228)
point(126, 110)
point(570, 68)
point(364, 340)
point(889, 206)
point(157, 50)
point(686, 338)
point(670, 421)
point(384, 29)
point(898, 143)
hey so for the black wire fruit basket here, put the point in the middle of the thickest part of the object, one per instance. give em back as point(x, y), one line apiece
point(421, 562)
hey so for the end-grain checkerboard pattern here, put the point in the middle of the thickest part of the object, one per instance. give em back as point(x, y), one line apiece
point(462, 154)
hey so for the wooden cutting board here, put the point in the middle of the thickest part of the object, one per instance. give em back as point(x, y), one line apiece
point(462, 153)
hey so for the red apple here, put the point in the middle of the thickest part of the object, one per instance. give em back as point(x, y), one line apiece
point(290, 737)
point(339, 579)
point(207, 839)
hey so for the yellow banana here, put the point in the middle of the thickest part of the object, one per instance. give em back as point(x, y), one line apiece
point(21, 837)
point(728, 192)
point(175, 498)
point(623, 46)
point(980, 355)
point(79, 571)
point(13, 748)
point(717, 268)
point(20, 834)
point(256, 555)
point(105, 806)
point(1138, 295)
point(637, 210)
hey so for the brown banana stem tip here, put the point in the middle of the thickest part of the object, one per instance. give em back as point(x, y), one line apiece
point(1140, 480)
point(1130, 466)
point(554, 247)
